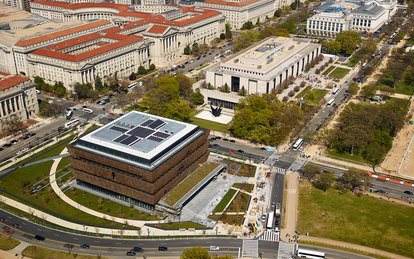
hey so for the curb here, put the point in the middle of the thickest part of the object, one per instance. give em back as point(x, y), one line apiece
point(391, 180)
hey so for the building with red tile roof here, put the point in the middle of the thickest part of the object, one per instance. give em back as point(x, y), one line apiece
point(18, 98)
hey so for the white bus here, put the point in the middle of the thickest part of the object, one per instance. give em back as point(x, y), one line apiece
point(71, 124)
point(335, 91)
point(132, 86)
point(297, 144)
point(69, 115)
point(304, 253)
point(330, 102)
point(270, 220)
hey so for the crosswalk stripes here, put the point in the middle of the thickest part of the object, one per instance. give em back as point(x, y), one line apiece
point(269, 235)
point(278, 170)
point(250, 248)
point(286, 250)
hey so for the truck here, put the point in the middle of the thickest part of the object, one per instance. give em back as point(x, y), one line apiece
point(277, 209)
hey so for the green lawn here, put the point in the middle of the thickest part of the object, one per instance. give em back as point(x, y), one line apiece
point(403, 88)
point(109, 207)
point(327, 71)
point(229, 219)
point(37, 252)
point(339, 72)
point(186, 185)
point(247, 187)
point(65, 171)
point(362, 220)
point(211, 125)
point(239, 203)
point(315, 96)
point(176, 225)
point(346, 156)
point(8, 243)
point(226, 199)
point(304, 92)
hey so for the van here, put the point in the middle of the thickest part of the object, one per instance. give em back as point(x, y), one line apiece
point(87, 110)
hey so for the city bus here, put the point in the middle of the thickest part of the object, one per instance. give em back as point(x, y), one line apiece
point(71, 124)
point(305, 253)
point(69, 115)
point(335, 91)
point(270, 220)
point(297, 144)
point(330, 102)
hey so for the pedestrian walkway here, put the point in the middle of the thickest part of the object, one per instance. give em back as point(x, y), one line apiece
point(286, 250)
point(250, 248)
point(278, 170)
point(289, 226)
point(270, 235)
point(351, 246)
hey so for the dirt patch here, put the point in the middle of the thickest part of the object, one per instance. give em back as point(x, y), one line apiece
point(400, 159)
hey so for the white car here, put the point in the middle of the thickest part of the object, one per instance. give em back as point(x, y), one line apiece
point(214, 248)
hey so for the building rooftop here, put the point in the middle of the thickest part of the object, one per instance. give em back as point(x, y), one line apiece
point(265, 55)
point(7, 80)
point(371, 9)
point(139, 138)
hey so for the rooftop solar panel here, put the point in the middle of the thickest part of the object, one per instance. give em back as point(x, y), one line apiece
point(147, 122)
point(161, 134)
point(120, 138)
point(118, 129)
point(141, 132)
point(155, 139)
point(156, 124)
point(129, 140)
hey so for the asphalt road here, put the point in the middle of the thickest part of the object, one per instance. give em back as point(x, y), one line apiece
point(118, 247)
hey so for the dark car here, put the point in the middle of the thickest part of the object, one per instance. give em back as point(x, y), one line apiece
point(40, 238)
point(138, 249)
point(225, 139)
point(2, 219)
point(408, 192)
point(130, 253)
point(240, 151)
point(85, 246)
point(14, 225)
point(162, 248)
point(380, 191)
point(232, 141)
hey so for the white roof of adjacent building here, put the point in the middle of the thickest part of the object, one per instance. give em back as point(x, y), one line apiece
point(139, 138)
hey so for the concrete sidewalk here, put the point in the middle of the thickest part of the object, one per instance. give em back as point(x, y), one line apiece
point(351, 246)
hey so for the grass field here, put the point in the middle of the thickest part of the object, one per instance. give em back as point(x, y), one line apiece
point(327, 71)
point(315, 96)
point(109, 207)
point(8, 243)
point(239, 203)
point(224, 201)
point(247, 187)
point(229, 219)
point(37, 252)
point(346, 156)
point(185, 186)
point(211, 125)
point(304, 92)
point(176, 225)
point(339, 72)
point(403, 88)
point(362, 220)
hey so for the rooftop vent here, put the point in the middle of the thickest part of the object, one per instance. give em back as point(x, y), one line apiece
point(259, 67)
point(291, 47)
point(269, 60)
point(236, 60)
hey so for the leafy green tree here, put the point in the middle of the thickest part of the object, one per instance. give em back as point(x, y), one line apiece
point(244, 40)
point(83, 91)
point(195, 253)
point(228, 33)
point(325, 180)
point(258, 21)
point(345, 35)
point(187, 50)
point(311, 171)
point(278, 13)
point(333, 46)
point(195, 49)
point(369, 90)
point(290, 25)
point(185, 85)
point(353, 88)
point(196, 97)
point(50, 109)
point(141, 70)
point(281, 32)
point(247, 25)
point(59, 89)
point(351, 179)
point(267, 32)
point(386, 90)
point(152, 67)
point(243, 91)
point(409, 76)
point(98, 83)
point(222, 36)
point(348, 46)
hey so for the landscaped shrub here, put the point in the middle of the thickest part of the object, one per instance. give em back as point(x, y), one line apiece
point(317, 71)
point(285, 99)
point(291, 93)
point(302, 84)
point(296, 89)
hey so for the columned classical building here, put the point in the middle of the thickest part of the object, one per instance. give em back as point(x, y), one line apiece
point(333, 17)
point(18, 98)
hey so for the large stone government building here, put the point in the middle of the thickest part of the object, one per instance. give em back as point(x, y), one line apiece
point(139, 157)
